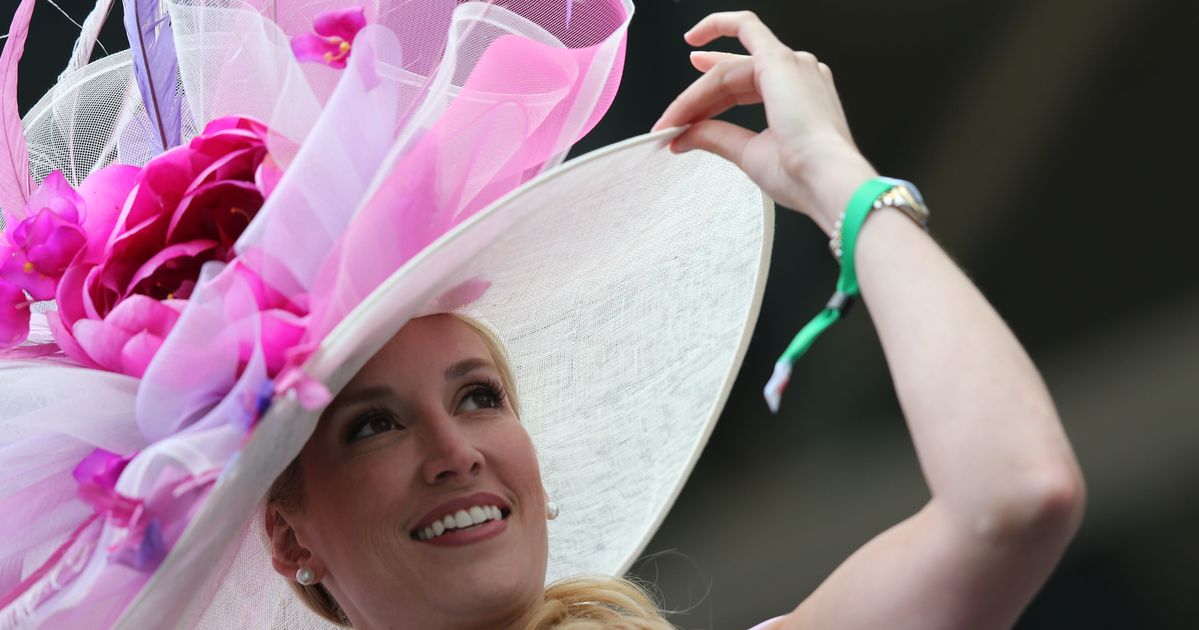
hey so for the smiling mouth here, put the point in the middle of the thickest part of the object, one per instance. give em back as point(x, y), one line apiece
point(465, 520)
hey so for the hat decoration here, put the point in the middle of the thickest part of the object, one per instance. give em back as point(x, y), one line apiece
point(206, 235)
point(148, 258)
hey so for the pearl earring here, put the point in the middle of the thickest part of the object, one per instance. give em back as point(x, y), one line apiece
point(305, 576)
point(551, 510)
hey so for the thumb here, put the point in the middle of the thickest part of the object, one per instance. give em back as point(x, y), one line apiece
point(715, 136)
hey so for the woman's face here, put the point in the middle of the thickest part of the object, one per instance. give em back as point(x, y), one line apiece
point(422, 437)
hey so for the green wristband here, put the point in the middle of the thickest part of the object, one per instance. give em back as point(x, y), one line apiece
point(847, 288)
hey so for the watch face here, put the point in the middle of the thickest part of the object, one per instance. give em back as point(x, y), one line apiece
point(909, 197)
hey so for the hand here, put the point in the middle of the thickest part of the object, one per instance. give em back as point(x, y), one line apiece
point(806, 158)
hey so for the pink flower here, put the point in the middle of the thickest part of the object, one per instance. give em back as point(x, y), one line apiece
point(47, 240)
point(126, 339)
point(188, 206)
point(335, 32)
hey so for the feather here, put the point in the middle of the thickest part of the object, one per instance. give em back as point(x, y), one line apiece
point(15, 183)
point(90, 33)
point(156, 68)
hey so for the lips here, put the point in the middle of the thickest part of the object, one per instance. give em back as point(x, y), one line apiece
point(481, 510)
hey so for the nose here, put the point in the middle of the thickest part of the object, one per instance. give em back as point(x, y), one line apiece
point(449, 452)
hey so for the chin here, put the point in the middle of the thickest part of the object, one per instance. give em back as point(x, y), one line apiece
point(489, 587)
point(489, 575)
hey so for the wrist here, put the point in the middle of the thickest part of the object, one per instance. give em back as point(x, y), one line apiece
point(830, 181)
point(876, 195)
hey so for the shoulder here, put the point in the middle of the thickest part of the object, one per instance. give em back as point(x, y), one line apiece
point(769, 624)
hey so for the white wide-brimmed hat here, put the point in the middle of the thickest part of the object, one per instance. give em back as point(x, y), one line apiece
point(243, 267)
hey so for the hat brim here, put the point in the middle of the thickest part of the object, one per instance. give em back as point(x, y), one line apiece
point(624, 284)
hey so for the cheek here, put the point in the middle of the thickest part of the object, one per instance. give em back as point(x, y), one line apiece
point(358, 501)
point(525, 478)
point(520, 459)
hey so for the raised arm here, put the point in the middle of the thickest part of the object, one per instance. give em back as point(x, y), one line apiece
point(1007, 492)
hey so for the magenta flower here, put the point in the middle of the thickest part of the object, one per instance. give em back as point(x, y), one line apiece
point(47, 240)
point(188, 206)
point(334, 35)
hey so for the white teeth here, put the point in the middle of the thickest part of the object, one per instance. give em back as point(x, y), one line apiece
point(476, 515)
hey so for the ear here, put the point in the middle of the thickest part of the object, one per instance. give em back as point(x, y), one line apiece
point(288, 555)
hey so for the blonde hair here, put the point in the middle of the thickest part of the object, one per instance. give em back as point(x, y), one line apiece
point(578, 603)
point(597, 603)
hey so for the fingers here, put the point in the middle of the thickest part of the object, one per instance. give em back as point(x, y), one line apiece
point(726, 85)
point(826, 74)
point(724, 139)
point(705, 60)
point(744, 25)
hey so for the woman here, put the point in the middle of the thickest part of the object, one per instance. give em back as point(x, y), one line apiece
point(429, 339)
point(427, 435)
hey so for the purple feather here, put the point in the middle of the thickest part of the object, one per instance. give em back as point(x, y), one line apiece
point(15, 183)
point(156, 68)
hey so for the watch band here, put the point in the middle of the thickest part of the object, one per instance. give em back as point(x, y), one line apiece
point(901, 195)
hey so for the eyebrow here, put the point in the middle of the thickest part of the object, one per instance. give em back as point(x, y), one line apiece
point(359, 396)
point(464, 367)
point(377, 392)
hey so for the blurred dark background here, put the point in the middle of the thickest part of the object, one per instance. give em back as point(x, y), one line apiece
point(1055, 142)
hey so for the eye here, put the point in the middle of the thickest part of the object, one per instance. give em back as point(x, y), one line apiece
point(482, 396)
point(373, 423)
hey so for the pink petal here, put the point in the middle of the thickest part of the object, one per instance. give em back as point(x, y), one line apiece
point(235, 123)
point(224, 193)
point(169, 173)
point(104, 341)
point(101, 342)
point(58, 249)
point(139, 312)
point(69, 294)
point(179, 250)
point(17, 270)
point(105, 192)
point(66, 340)
point(267, 176)
point(343, 23)
point(14, 315)
point(308, 47)
point(56, 194)
point(138, 352)
point(280, 332)
point(101, 468)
